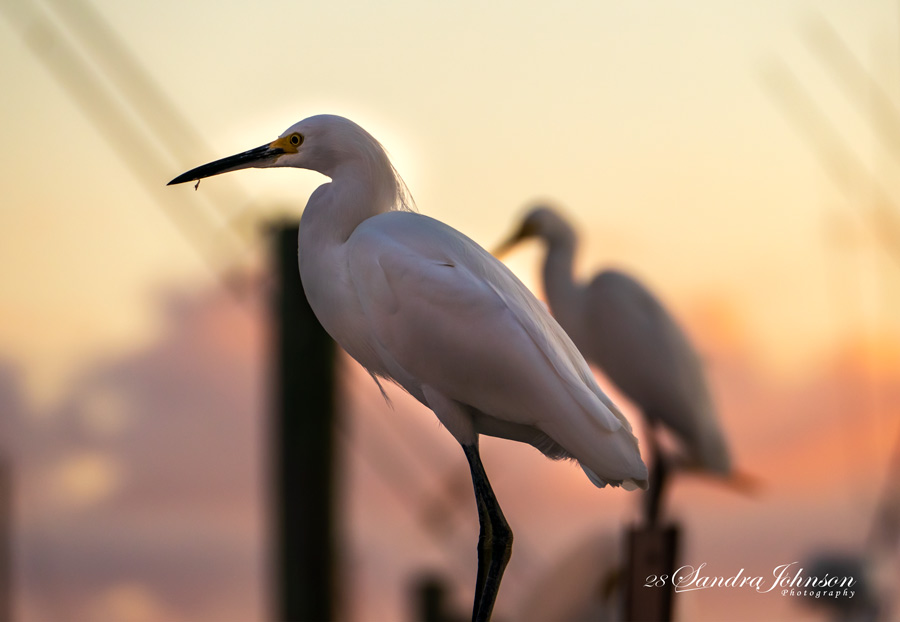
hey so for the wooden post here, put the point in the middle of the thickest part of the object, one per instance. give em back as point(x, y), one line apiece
point(302, 438)
point(429, 593)
point(649, 589)
point(6, 520)
point(430, 600)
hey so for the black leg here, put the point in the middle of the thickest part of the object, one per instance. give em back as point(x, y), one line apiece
point(659, 471)
point(494, 540)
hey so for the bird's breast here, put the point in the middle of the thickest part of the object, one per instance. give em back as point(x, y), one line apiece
point(333, 299)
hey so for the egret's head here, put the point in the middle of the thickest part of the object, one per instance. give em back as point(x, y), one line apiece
point(541, 222)
point(320, 143)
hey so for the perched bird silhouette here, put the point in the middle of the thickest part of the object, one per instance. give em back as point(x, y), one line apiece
point(621, 327)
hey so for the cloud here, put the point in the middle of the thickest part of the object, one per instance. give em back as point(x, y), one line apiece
point(143, 494)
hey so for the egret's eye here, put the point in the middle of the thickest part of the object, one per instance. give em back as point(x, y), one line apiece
point(296, 139)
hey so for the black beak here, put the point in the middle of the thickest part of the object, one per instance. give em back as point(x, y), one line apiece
point(508, 244)
point(254, 158)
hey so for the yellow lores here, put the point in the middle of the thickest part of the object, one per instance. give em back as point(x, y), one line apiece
point(288, 144)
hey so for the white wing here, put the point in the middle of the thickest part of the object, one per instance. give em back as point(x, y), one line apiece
point(447, 317)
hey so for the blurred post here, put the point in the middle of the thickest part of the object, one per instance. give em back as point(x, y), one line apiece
point(430, 600)
point(6, 511)
point(302, 447)
point(649, 587)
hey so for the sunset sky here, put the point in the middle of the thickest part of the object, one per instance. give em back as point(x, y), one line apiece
point(652, 125)
point(668, 132)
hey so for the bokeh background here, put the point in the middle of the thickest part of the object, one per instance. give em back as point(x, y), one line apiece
point(739, 157)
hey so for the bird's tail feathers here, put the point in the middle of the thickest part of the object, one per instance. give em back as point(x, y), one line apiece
point(745, 483)
point(599, 482)
point(740, 481)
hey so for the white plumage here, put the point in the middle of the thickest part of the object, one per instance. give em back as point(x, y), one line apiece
point(419, 303)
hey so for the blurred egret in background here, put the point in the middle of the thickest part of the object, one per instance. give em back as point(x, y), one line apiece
point(416, 302)
point(858, 601)
point(620, 326)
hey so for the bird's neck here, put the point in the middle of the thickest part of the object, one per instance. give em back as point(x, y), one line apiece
point(559, 281)
point(332, 214)
point(358, 191)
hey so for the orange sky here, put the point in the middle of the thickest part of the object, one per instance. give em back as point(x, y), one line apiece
point(154, 448)
point(653, 126)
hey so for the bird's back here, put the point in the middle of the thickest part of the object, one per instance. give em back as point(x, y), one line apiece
point(447, 314)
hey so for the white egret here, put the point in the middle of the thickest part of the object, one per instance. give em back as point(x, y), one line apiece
point(621, 327)
point(417, 302)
